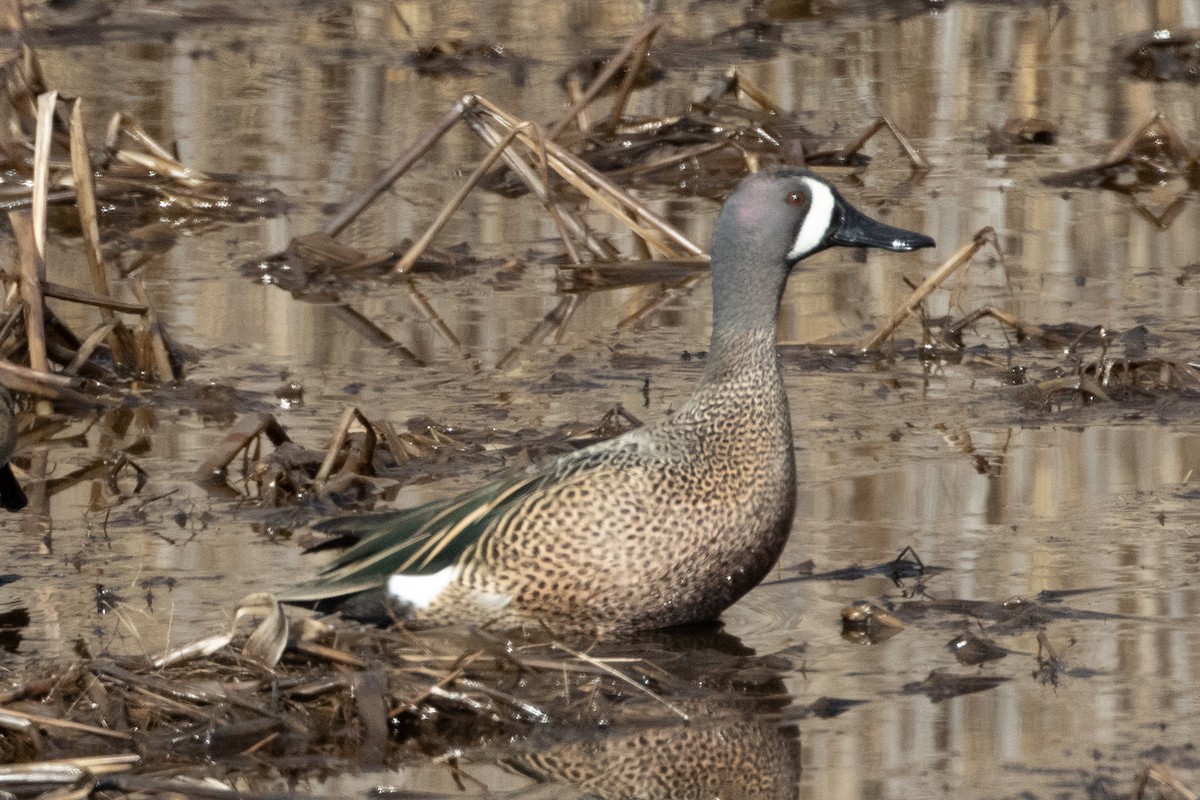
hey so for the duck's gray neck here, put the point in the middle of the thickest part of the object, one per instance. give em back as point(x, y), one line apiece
point(738, 359)
point(746, 295)
point(742, 363)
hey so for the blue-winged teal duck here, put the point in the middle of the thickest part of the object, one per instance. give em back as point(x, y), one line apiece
point(664, 525)
point(12, 497)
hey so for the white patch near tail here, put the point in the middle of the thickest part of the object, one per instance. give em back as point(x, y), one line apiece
point(816, 221)
point(419, 591)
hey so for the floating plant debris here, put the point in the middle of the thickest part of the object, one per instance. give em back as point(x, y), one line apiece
point(462, 57)
point(368, 458)
point(864, 622)
point(1152, 154)
point(940, 685)
point(1161, 55)
point(1019, 133)
point(314, 698)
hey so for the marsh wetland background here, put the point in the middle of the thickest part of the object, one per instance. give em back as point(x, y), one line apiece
point(1056, 523)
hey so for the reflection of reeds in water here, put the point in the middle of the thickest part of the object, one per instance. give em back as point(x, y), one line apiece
point(139, 183)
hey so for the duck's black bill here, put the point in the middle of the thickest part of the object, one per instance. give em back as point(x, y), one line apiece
point(859, 230)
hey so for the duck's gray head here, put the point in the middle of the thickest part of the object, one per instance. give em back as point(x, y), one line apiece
point(773, 220)
point(798, 213)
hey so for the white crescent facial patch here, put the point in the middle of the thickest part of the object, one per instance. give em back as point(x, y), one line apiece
point(816, 221)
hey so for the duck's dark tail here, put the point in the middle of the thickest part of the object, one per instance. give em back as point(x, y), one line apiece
point(12, 496)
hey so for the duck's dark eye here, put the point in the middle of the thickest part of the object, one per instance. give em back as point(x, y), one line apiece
point(798, 199)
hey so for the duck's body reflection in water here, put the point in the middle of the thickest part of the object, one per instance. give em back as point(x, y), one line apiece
point(718, 758)
point(732, 746)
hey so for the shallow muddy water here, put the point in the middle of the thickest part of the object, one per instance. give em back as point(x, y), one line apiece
point(1095, 505)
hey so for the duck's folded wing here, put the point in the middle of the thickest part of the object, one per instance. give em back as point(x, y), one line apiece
point(414, 541)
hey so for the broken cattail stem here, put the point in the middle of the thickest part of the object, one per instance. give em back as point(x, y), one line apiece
point(935, 279)
point(740, 84)
point(451, 205)
point(635, 63)
point(587, 180)
point(644, 33)
point(914, 155)
point(120, 124)
point(101, 301)
point(31, 288)
point(393, 442)
point(240, 440)
point(681, 154)
point(89, 346)
point(18, 377)
point(723, 86)
point(158, 343)
point(849, 150)
point(602, 250)
point(85, 200)
point(543, 168)
point(41, 173)
point(1001, 316)
point(157, 158)
point(583, 119)
point(640, 218)
point(401, 165)
point(565, 162)
point(41, 385)
point(1121, 149)
point(335, 447)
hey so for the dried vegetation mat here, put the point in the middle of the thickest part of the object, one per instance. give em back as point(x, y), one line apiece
point(285, 709)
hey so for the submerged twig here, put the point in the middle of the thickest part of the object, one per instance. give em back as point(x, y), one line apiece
point(451, 205)
point(635, 42)
point(31, 266)
point(960, 259)
point(914, 155)
point(349, 212)
point(624, 678)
